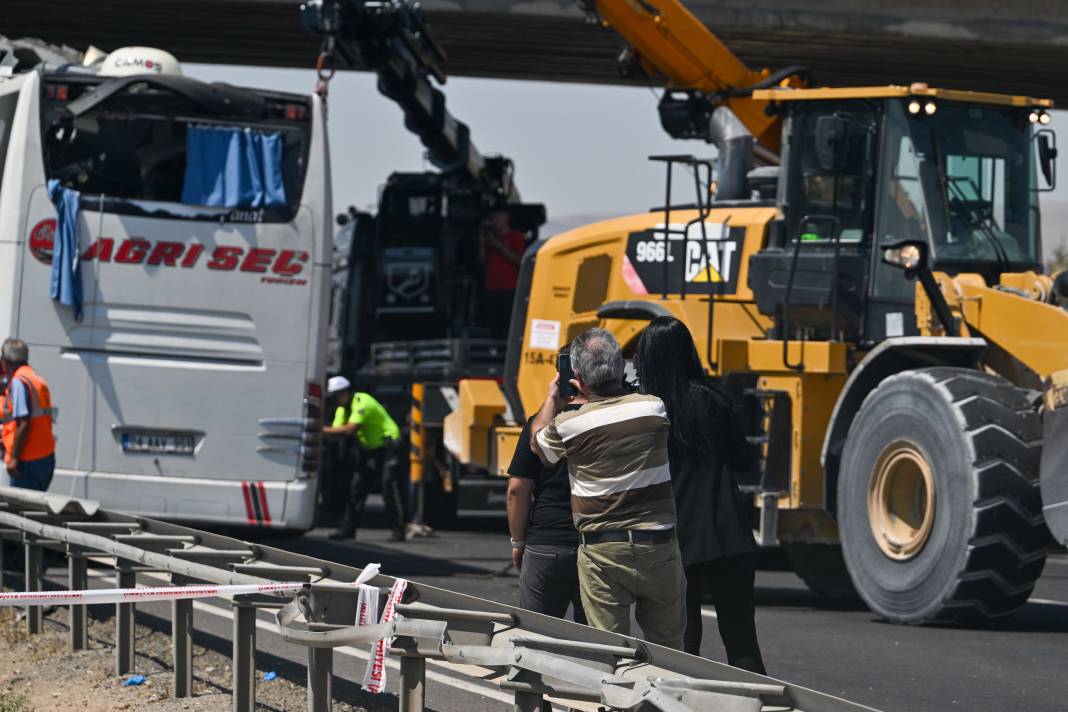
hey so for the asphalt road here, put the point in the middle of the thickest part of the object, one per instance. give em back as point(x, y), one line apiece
point(847, 652)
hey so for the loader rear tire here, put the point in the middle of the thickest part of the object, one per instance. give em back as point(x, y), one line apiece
point(939, 509)
point(823, 570)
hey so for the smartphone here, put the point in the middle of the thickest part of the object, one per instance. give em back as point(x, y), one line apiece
point(563, 367)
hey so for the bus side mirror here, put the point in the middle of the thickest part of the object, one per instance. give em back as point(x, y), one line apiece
point(1047, 157)
point(909, 256)
point(832, 143)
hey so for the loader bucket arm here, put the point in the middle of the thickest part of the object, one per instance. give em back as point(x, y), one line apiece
point(1032, 332)
point(1035, 334)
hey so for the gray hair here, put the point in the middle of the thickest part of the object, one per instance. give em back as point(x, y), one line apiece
point(15, 351)
point(596, 355)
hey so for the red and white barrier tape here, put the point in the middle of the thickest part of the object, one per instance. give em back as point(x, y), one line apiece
point(374, 677)
point(132, 595)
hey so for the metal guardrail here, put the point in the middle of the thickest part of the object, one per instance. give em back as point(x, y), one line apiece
point(532, 655)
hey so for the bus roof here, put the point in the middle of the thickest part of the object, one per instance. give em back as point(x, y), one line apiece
point(890, 92)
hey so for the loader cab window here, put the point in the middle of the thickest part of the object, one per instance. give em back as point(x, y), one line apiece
point(907, 178)
point(833, 153)
point(965, 182)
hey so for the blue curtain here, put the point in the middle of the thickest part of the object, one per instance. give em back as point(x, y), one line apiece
point(66, 258)
point(233, 168)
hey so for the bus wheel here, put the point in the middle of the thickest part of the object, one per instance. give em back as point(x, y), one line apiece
point(939, 509)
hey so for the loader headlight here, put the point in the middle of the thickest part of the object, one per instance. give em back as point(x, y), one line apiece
point(906, 255)
point(1040, 116)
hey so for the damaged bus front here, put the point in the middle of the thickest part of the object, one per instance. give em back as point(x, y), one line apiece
point(185, 230)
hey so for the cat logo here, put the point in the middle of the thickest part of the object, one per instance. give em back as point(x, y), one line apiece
point(703, 257)
point(710, 259)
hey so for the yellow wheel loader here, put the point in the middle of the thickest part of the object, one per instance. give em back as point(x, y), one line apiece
point(862, 269)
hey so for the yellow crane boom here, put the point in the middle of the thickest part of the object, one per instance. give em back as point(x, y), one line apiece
point(671, 41)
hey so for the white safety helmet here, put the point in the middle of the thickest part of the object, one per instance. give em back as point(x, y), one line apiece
point(336, 384)
point(139, 60)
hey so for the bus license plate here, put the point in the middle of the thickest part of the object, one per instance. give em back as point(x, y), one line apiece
point(170, 443)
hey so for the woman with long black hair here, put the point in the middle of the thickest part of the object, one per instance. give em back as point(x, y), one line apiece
point(705, 445)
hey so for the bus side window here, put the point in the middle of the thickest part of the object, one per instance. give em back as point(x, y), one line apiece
point(7, 115)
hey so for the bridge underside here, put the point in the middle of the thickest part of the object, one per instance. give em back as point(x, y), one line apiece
point(994, 48)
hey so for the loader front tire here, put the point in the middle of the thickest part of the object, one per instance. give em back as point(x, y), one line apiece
point(939, 510)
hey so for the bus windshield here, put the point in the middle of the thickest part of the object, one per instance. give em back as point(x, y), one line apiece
point(132, 146)
point(963, 179)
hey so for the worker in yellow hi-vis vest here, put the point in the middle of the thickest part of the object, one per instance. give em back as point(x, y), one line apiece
point(359, 415)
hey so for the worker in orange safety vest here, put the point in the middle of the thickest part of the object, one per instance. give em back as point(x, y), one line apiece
point(29, 448)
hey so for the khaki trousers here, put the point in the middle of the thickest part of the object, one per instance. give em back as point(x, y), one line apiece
point(615, 575)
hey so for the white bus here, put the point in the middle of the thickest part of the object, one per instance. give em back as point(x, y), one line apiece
point(191, 388)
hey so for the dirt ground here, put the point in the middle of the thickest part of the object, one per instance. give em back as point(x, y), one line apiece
point(39, 673)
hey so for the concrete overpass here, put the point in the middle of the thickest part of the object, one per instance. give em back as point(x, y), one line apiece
point(1019, 46)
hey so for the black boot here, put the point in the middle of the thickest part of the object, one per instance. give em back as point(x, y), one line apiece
point(344, 532)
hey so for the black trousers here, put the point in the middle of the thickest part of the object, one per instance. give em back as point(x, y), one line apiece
point(496, 312)
point(376, 466)
point(729, 582)
point(548, 581)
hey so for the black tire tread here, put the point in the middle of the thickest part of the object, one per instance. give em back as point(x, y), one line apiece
point(1007, 547)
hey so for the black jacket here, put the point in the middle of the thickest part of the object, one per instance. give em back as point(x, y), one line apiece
point(713, 521)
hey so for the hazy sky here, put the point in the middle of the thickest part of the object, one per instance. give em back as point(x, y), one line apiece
point(580, 149)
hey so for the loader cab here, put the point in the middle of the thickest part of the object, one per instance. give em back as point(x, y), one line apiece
point(859, 173)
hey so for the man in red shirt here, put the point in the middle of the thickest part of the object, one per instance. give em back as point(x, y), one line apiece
point(502, 251)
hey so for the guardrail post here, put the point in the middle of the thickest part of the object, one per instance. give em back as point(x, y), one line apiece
point(320, 679)
point(34, 614)
point(124, 621)
point(412, 684)
point(244, 662)
point(528, 702)
point(78, 578)
point(182, 646)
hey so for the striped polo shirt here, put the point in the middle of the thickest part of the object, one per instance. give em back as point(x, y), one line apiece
point(617, 460)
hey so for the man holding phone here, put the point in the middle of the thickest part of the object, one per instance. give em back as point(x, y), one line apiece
point(544, 540)
point(615, 447)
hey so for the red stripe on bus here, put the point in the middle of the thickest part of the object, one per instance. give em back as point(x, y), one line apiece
point(255, 502)
point(248, 503)
point(263, 502)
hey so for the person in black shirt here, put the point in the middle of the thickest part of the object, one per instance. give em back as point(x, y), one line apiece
point(704, 446)
point(544, 540)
